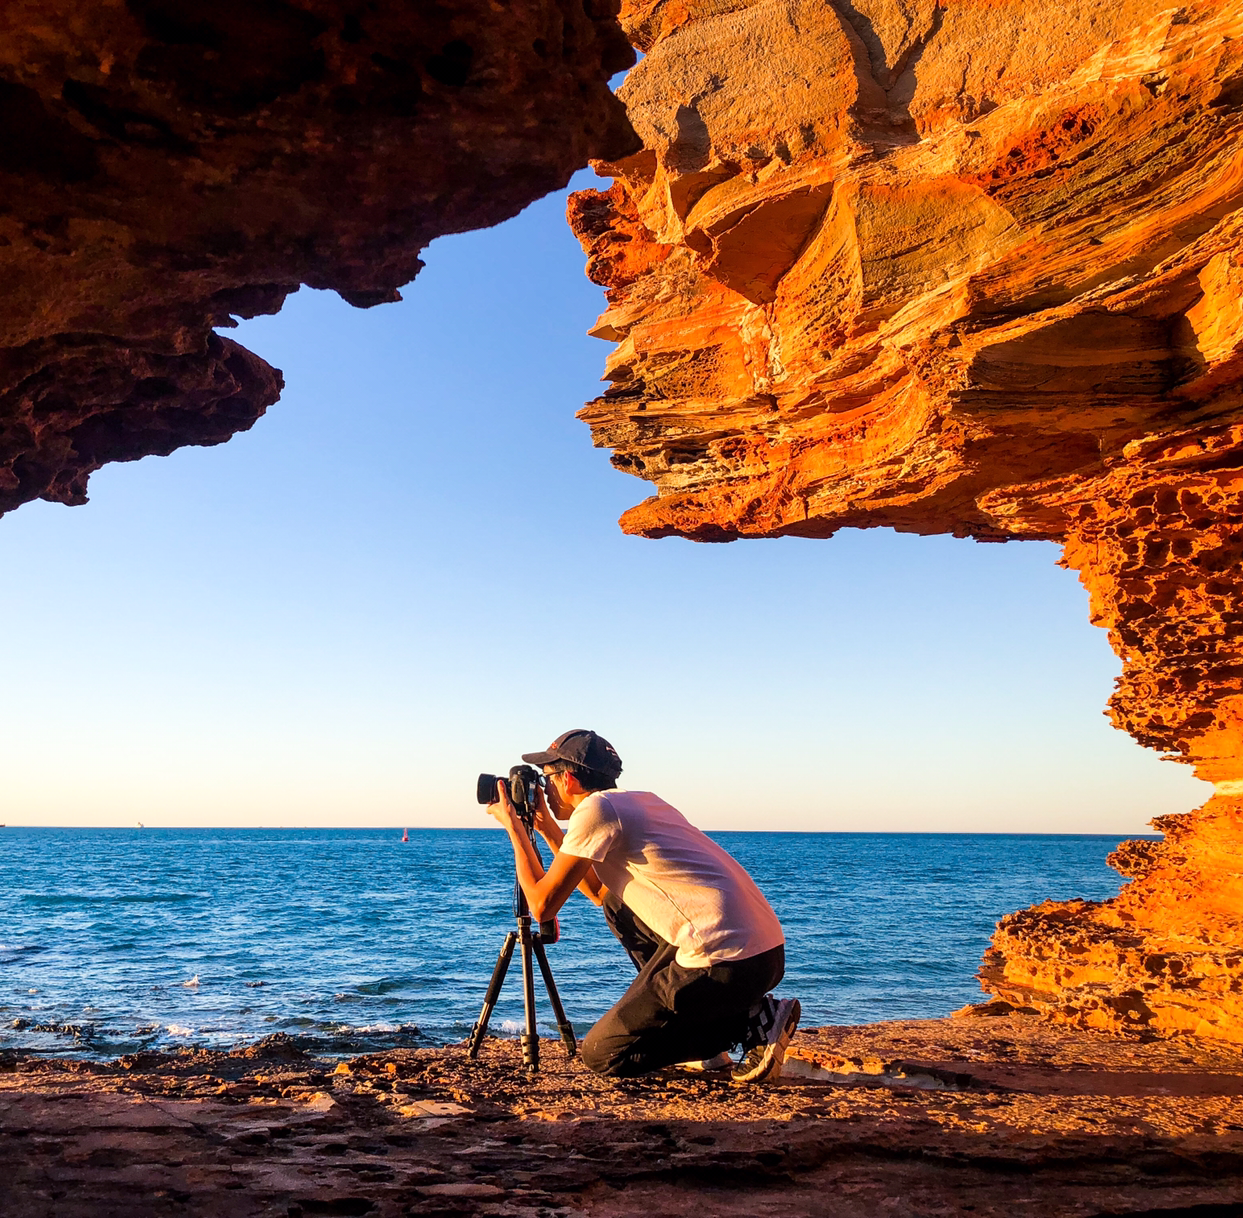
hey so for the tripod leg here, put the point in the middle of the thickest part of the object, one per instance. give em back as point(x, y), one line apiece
point(563, 1025)
point(480, 1029)
point(530, 1038)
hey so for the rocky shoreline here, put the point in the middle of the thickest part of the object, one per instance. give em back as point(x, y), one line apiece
point(982, 1115)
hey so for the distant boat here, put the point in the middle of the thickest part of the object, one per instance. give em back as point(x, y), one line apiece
point(405, 834)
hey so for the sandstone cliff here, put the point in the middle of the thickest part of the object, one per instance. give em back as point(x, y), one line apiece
point(972, 267)
point(168, 165)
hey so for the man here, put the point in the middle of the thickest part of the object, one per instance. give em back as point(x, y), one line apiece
point(707, 944)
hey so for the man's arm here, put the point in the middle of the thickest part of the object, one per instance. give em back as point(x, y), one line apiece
point(591, 886)
point(547, 891)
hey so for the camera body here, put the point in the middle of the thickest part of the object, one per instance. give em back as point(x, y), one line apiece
point(524, 782)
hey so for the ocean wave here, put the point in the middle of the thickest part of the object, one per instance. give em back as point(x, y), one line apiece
point(103, 898)
point(19, 955)
point(385, 985)
point(514, 1027)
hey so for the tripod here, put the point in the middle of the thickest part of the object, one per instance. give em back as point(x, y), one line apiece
point(530, 944)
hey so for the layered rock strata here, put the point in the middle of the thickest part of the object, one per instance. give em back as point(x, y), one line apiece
point(969, 267)
point(168, 166)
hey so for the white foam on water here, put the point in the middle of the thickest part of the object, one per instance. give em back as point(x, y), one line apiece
point(175, 1029)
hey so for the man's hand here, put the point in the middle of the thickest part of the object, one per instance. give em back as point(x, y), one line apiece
point(504, 809)
point(545, 824)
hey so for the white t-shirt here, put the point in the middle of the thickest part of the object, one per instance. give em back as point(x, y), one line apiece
point(677, 879)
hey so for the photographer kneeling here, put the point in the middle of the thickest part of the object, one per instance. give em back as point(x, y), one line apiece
point(707, 944)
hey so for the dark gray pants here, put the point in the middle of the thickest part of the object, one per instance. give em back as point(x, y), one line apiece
point(670, 1013)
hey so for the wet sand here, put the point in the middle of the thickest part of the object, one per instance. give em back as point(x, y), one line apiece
point(981, 1116)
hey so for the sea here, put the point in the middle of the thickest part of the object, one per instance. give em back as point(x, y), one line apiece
point(119, 940)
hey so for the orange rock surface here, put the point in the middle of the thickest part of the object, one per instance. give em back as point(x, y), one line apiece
point(969, 267)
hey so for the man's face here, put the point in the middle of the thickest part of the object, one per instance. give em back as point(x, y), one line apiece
point(554, 793)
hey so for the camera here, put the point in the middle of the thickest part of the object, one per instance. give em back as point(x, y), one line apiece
point(524, 781)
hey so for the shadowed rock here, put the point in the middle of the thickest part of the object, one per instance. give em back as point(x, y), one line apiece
point(170, 165)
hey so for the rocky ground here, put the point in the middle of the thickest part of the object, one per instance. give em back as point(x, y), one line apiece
point(980, 1116)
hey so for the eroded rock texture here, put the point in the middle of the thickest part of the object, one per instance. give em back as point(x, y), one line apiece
point(976, 1118)
point(167, 165)
point(967, 266)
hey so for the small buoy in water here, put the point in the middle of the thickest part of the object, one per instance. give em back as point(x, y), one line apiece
point(405, 835)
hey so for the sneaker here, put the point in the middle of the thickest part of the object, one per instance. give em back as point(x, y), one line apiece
point(769, 1036)
point(722, 1061)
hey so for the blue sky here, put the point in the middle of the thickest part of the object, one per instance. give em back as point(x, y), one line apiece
point(410, 570)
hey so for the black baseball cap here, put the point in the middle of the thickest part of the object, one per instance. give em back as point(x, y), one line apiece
point(583, 748)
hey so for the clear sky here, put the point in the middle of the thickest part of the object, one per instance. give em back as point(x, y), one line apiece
point(410, 570)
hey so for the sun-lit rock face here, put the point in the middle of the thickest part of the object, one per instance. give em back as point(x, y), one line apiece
point(167, 165)
point(1164, 956)
point(969, 267)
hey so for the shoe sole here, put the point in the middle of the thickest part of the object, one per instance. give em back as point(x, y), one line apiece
point(711, 1066)
point(775, 1053)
